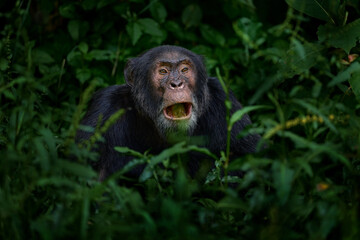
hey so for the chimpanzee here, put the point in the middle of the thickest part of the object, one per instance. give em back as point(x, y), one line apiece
point(167, 92)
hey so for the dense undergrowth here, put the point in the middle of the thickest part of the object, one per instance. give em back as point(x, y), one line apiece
point(298, 58)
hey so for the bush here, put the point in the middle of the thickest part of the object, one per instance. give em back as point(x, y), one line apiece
point(299, 59)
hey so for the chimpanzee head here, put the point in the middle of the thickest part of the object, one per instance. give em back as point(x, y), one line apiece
point(169, 86)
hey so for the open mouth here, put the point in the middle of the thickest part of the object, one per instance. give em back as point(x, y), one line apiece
point(178, 111)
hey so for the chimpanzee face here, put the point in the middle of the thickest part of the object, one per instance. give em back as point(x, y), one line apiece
point(173, 80)
point(167, 92)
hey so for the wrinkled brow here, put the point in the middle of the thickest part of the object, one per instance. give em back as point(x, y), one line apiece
point(167, 62)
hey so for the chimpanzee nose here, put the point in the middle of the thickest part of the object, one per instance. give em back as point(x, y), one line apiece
point(176, 84)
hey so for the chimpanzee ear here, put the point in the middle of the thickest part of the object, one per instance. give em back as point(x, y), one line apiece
point(129, 72)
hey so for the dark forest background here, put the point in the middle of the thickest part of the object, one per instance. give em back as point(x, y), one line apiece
point(299, 58)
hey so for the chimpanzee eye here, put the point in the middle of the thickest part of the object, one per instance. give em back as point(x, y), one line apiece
point(163, 71)
point(185, 69)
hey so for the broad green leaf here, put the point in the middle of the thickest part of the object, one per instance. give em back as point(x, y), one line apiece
point(74, 58)
point(344, 37)
point(40, 56)
point(103, 3)
point(211, 35)
point(345, 75)
point(158, 12)
point(134, 31)
point(83, 47)
point(300, 58)
point(74, 29)
point(299, 48)
point(77, 29)
point(150, 27)
point(68, 10)
point(191, 15)
point(83, 74)
point(88, 4)
point(320, 9)
point(146, 174)
point(249, 32)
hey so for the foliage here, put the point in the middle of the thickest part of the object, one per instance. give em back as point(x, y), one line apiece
point(299, 60)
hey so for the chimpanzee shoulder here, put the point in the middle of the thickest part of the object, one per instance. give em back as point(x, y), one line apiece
point(104, 103)
point(213, 123)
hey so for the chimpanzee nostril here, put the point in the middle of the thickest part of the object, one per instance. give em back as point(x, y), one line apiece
point(176, 84)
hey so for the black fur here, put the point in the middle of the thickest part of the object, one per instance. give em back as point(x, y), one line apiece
point(136, 128)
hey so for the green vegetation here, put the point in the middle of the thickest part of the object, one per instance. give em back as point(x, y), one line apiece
point(295, 61)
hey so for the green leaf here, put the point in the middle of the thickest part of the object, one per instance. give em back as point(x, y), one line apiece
point(83, 47)
point(320, 9)
point(158, 12)
point(283, 178)
point(299, 48)
point(40, 56)
point(77, 29)
point(344, 37)
point(250, 32)
point(211, 35)
point(129, 151)
point(68, 10)
point(100, 55)
point(83, 74)
point(355, 84)
point(77, 169)
point(88, 4)
point(3, 64)
point(146, 174)
point(74, 58)
point(73, 28)
point(345, 75)
point(305, 166)
point(238, 115)
point(150, 27)
point(191, 15)
point(57, 181)
point(301, 142)
point(103, 3)
point(300, 58)
point(176, 149)
point(134, 31)
point(316, 111)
